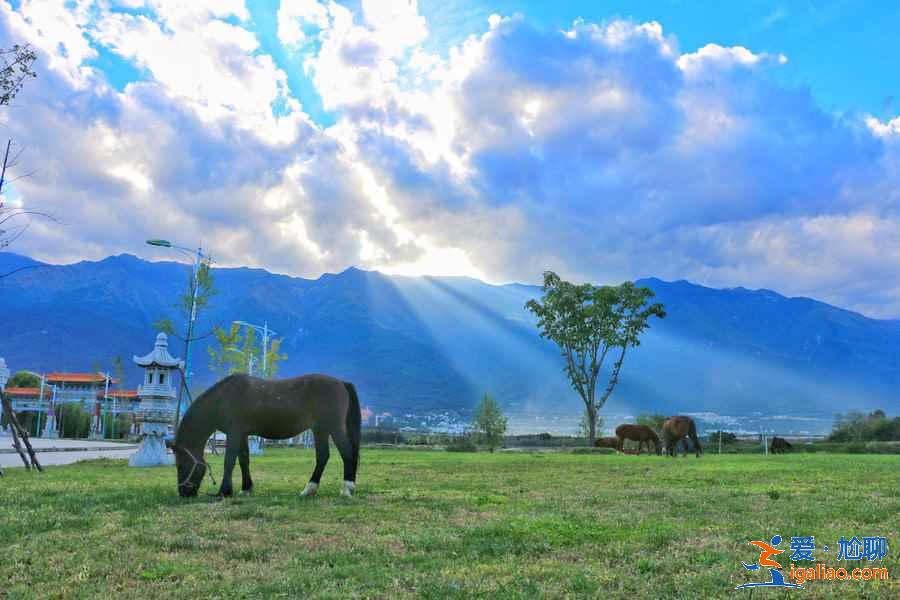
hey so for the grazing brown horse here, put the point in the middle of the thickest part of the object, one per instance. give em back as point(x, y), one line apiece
point(240, 405)
point(779, 445)
point(675, 429)
point(639, 434)
point(607, 442)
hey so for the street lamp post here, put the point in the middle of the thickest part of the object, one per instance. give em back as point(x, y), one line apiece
point(255, 442)
point(197, 256)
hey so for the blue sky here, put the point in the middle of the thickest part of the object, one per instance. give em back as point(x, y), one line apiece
point(842, 51)
point(747, 143)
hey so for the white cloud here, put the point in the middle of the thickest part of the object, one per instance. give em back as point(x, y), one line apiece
point(56, 28)
point(712, 60)
point(201, 59)
point(601, 151)
point(884, 129)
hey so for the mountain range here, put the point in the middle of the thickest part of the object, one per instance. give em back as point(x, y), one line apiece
point(419, 344)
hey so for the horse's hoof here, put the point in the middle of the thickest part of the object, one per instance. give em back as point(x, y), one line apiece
point(246, 492)
point(311, 489)
point(347, 489)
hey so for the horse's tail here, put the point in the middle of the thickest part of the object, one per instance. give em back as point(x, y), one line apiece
point(692, 433)
point(354, 421)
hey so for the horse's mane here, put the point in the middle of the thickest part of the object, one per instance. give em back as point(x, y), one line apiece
point(211, 392)
point(197, 409)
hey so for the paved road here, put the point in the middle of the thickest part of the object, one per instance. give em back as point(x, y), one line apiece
point(70, 451)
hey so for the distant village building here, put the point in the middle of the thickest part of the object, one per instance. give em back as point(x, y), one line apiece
point(152, 405)
point(89, 390)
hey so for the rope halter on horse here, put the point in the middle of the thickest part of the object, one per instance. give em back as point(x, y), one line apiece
point(187, 480)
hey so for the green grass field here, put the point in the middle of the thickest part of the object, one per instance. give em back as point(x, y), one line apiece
point(434, 524)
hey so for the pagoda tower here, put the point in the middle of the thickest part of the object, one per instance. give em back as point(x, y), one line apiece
point(156, 396)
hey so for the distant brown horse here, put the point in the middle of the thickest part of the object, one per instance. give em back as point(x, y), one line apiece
point(639, 434)
point(675, 429)
point(779, 445)
point(607, 442)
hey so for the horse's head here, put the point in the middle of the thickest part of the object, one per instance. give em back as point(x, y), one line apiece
point(191, 468)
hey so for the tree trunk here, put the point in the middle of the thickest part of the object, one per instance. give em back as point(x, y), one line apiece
point(591, 413)
point(17, 433)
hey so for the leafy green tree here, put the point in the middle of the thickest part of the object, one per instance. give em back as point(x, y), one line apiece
point(490, 422)
point(590, 323)
point(237, 349)
point(652, 420)
point(24, 379)
point(273, 357)
point(118, 426)
point(15, 68)
point(858, 427)
point(192, 302)
point(74, 421)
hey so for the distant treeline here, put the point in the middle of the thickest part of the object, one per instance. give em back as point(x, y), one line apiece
point(73, 421)
point(873, 427)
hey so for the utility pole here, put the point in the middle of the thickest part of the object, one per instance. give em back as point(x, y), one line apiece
point(105, 401)
point(197, 257)
point(265, 371)
point(266, 333)
point(195, 285)
point(37, 417)
point(5, 160)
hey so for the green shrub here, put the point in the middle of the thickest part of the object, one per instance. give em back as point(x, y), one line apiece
point(122, 425)
point(74, 421)
point(462, 443)
point(382, 436)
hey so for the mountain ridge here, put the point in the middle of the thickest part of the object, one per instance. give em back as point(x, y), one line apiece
point(436, 343)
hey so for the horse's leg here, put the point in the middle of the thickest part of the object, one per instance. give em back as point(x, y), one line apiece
point(342, 441)
point(232, 449)
point(322, 452)
point(698, 449)
point(244, 461)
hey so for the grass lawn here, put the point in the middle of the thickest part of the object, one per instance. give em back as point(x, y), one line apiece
point(435, 524)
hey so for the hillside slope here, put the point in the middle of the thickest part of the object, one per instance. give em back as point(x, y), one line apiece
point(428, 343)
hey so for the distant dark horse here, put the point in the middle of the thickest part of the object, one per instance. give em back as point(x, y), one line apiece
point(639, 434)
point(675, 429)
point(779, 445)
point(240, 405)
point(607, 442)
